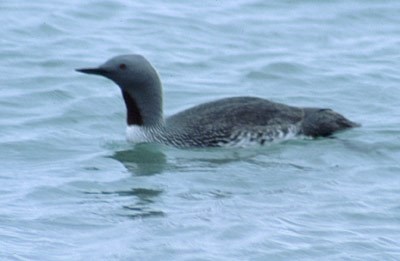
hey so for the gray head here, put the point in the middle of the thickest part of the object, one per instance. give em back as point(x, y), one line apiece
point(140, 86)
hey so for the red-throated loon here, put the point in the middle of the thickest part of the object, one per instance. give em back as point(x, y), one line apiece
point(236, 121)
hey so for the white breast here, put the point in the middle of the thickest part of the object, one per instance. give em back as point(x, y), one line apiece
point(136, 134)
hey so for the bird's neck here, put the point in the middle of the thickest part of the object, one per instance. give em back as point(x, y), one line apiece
point(143, 110)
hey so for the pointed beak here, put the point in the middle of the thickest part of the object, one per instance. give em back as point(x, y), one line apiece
point(97, 71)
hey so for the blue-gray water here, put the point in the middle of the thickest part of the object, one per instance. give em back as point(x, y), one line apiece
point(72, 188)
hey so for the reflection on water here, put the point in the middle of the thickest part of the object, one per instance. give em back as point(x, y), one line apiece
point(142, 208)
point(144, 195)
point(142, 212)
point(140, 160)
point(142, 199)
point(143, 159)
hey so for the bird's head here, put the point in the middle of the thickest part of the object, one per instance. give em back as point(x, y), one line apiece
point(130, 72)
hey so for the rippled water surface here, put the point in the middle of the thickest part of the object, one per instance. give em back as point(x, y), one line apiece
point(72, 188)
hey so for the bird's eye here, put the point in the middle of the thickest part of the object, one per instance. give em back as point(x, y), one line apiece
point(122, 66)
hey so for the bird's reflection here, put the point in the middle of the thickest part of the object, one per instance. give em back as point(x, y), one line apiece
point(142, 207)
point(142, 160)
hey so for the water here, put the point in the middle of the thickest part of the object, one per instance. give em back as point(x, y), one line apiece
point(72, 188)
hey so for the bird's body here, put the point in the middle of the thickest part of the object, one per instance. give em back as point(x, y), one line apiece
point(235, 121)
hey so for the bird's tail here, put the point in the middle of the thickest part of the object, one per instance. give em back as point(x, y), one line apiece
point(324, 122)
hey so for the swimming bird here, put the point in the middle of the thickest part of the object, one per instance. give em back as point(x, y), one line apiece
point(234, 121)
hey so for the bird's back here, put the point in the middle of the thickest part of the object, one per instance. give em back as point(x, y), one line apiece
point(236, 111)
point(233, 119)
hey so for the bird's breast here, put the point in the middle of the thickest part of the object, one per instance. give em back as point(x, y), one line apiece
point(137, 134)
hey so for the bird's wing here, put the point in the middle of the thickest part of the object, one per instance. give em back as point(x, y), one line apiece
point(237, 111)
